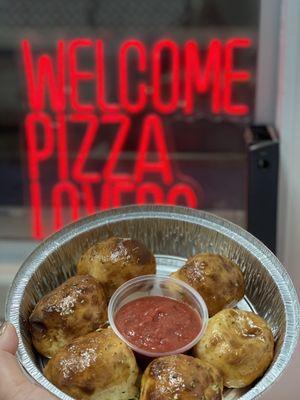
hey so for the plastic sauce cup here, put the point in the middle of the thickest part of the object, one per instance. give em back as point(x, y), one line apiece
point(157, 285)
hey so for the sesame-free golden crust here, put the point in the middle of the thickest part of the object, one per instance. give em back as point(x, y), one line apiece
point(181, 377)
point(239, 343)
point(216, 278)
point(73, 309)
point(115, 261)
point(97, 366)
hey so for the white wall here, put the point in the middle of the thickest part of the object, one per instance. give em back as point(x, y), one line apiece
point(288, 124)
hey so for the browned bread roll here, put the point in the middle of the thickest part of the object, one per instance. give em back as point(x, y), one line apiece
point(98, 366)
point(76, 307)
point(181, 377)
point(239, 343)
point(218, 280)
point(115, 261)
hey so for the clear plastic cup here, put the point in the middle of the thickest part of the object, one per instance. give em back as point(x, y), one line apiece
point(157, 285)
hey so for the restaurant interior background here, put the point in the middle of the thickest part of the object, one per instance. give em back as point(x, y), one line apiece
point(102, 104)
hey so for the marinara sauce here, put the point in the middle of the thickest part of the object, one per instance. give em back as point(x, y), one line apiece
point(158, 324)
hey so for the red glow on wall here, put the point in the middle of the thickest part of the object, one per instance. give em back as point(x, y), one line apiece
point(58, 109)
point(36, 204)
point(119, 189)
point(64, 195)
point(183, 190)
point(150, 192)
point(89, 199)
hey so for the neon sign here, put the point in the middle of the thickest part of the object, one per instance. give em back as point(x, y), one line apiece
point(57, 108)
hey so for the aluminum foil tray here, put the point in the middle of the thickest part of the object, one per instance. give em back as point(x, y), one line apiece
point(173, 234)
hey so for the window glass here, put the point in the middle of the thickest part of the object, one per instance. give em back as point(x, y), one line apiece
point(107, 103)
